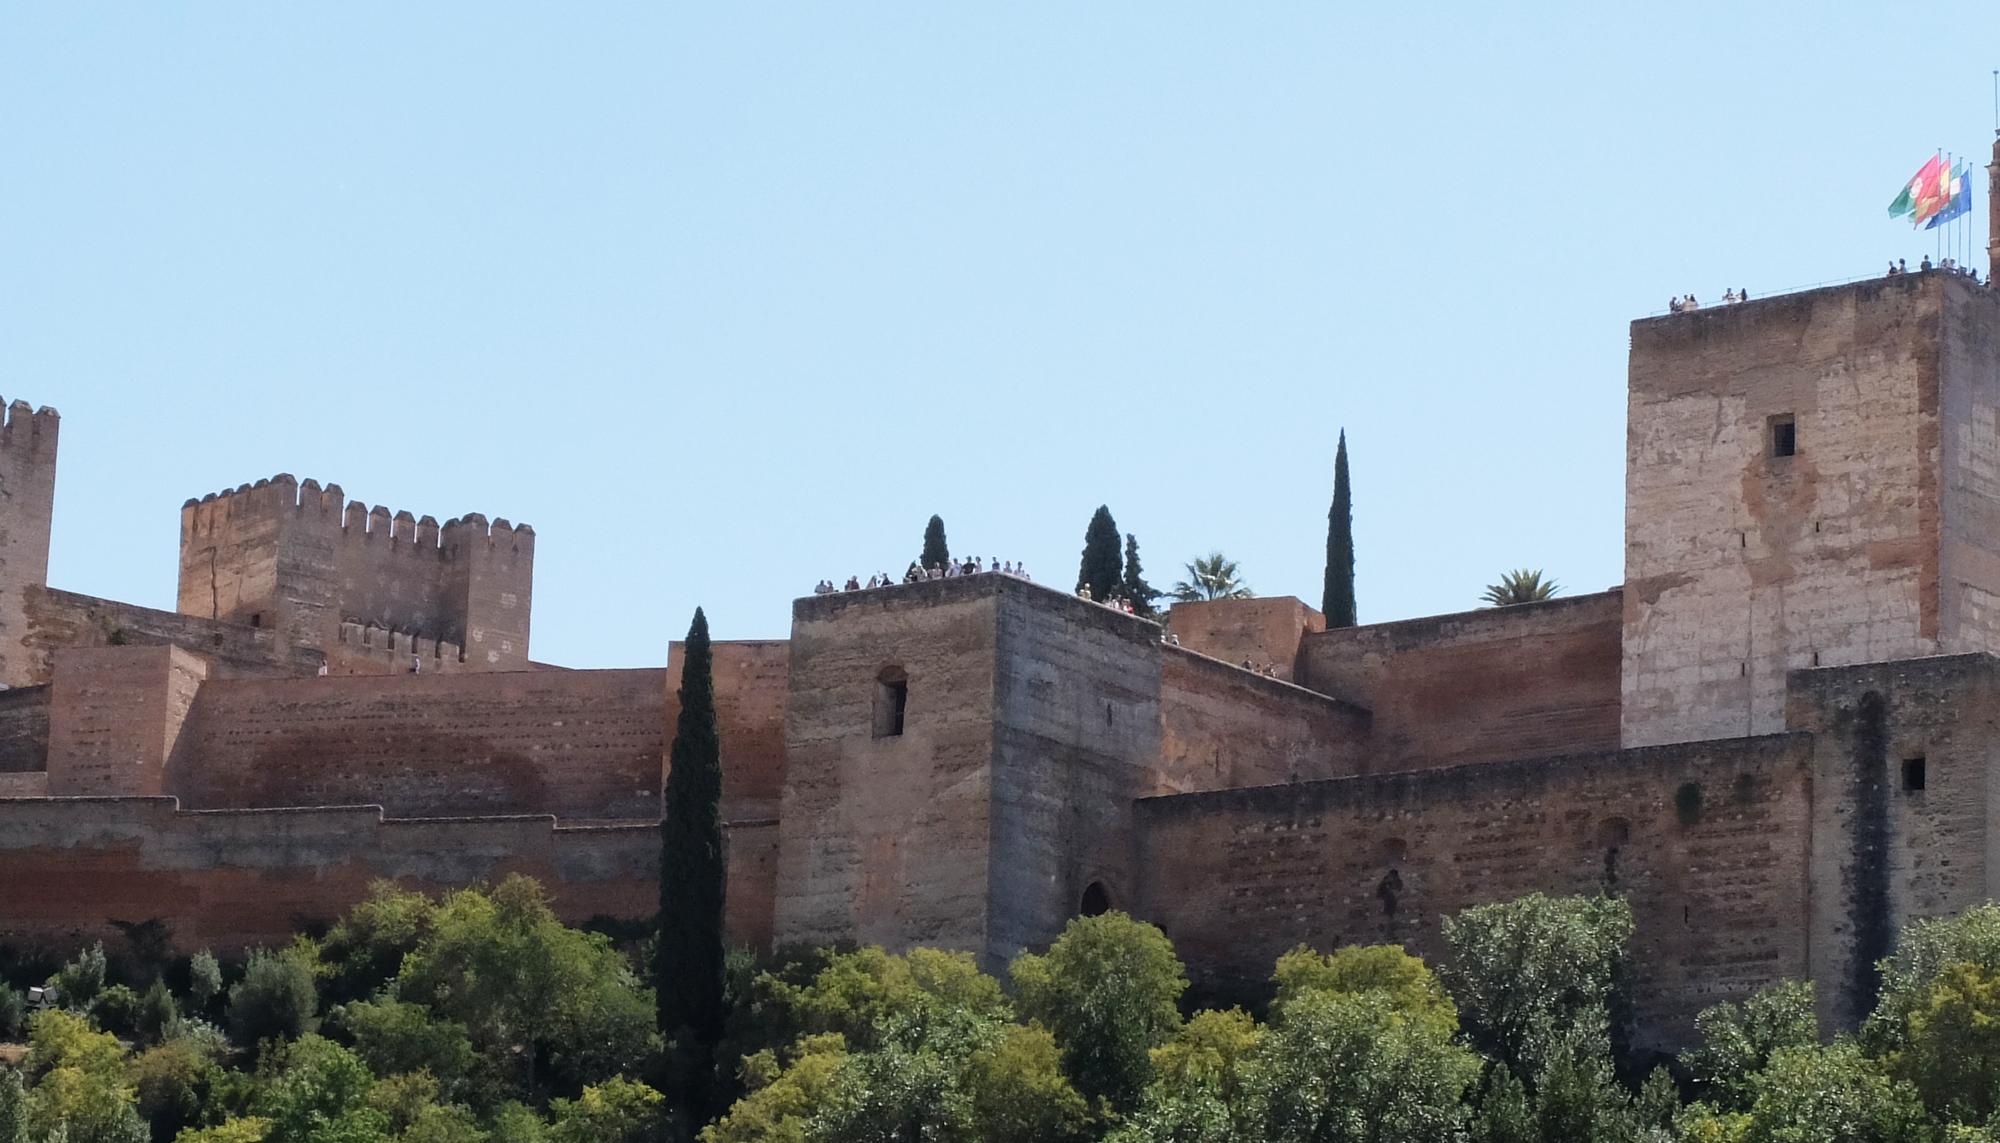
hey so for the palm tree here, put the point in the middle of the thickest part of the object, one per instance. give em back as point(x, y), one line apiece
point(1213, 576)
point(1520, 586)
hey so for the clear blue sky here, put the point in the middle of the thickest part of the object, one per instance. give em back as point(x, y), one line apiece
point(724, 298)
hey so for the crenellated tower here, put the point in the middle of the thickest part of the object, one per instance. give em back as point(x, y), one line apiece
point(300, 558)
point(27, 504)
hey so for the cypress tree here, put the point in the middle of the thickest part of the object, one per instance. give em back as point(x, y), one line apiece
point(936, 554)
point(1141, 593)
point(1338, 602)
point(1102, 568)
point(688, 967)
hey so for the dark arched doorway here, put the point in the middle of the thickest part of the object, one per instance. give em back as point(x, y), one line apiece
point(1096, 902)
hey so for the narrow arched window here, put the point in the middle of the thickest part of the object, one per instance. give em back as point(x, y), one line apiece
point(892, 699)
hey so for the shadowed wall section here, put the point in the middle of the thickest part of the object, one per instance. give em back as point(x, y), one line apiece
point(576, 744)
point(231, 879)
point(1707, 841)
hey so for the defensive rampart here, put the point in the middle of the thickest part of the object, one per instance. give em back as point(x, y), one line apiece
point(1222, 726)
point(751, 681)
point(365, 649)
point(1708, 841)
point(231, 879)
point(1501, 682)
point(58, 620)
point(1261, 631)
point(577, 744)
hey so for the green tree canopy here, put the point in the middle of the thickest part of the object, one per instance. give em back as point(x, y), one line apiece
point(1349, 971)
point(1109, 989)
point(1924, 950)
point(1133, 584)
point(1951, 1051)
point(393, 1037)
point(1213, 576)
point(1525, 971)
point(1738, 1040)
point(528, 989)
point(1206, 1084)
point(277, 997)
point(1832, 1094)
point(365, 949)
point(1351, 1068)
point(936, 552)
point(1101, 569)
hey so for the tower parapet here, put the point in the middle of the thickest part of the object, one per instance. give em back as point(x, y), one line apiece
point(27, 505)
point(301, 557)
point(365, 649)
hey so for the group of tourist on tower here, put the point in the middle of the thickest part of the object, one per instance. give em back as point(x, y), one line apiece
point(950, 569)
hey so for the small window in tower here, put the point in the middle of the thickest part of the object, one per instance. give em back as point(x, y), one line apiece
point(256, 619)
point(1784, 435)
point(1913, 775)
point(892, 697)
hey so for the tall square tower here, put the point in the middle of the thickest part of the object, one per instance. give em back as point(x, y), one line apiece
point(1810, 480)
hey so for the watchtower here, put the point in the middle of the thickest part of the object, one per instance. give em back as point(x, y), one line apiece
point(1811, 480)
point(27, 505)
point(301, 559)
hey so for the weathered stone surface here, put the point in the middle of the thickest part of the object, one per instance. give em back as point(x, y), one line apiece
point(1263, 632)
point(232, 879)
point(1873, 542)
point(28, 476)
point(577, 744)
point(1501, 682)
point(24, 730)
point(1720, 896)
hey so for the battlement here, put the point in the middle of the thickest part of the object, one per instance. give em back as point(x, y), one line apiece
point(21, 422)
point(326, 508)
point(28, 469)
point(300, 556)
point(363, 641)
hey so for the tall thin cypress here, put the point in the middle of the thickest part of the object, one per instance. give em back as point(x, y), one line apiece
point(1141, 593)
point(1338, 602)
point(1102, 567)
point(688, 968)
point(936, 553)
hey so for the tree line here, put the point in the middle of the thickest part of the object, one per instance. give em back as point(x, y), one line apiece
point(478, 1017)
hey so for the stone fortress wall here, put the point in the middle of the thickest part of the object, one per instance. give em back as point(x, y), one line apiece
point(1778, 737)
